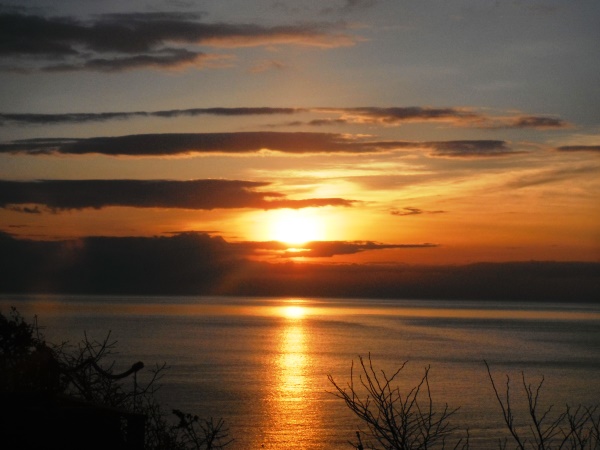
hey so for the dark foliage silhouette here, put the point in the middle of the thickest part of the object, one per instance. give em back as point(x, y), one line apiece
point(41, 384)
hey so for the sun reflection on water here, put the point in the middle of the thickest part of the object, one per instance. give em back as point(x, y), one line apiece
point(292, 363)
point(291, 403)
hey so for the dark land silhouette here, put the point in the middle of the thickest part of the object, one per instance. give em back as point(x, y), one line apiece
point(199, 264)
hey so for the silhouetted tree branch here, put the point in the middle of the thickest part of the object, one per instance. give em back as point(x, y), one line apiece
point(571, 429)
point(393, 419)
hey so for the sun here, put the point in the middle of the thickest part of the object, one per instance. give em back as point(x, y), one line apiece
point(294, 312)
point(296, 227)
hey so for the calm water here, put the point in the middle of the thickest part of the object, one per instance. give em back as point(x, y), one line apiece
point(262, 364)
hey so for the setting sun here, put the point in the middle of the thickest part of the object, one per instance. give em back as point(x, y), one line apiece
point(294, 312)
point(296, 227)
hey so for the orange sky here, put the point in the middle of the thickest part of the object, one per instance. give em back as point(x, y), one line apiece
point(437, 136)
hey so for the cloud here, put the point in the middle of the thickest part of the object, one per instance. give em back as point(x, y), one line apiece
point(247, 142)
point(540, 177)
point(58, 195)
point(331, 248)
point(186, 143)
point(410, 211)
point(393, 116)
point(116, 42)
point(398, 115)
point(359, 4)
point(471, 149)
point(168, 58)
point(199, 264)
point(267, 65)
point(454, 116)
point(320, 249)
point(27, 210)
point(536, 122)
point(350, 6)
point(50, 119)
point(579, 148)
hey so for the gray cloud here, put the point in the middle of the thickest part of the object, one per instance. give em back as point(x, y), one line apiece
point(49, 119)
point(186, 143)
point(350, 6)
point(247, 142)
point(459, 117)
point(537, 122)
point(167, 58)
point(57, 195)
point(579, 148)
point(471, 149)
point(395, 116)
point(114, 42)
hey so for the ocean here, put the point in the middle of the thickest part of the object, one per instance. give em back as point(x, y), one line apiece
point(262, 364)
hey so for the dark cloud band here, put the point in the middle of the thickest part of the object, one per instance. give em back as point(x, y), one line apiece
point(579, 148)
point(185, 143)
point(117, 42)
point(396, 116)
point(246, 142)
point(471, 149)
point(194, 194)
point(50, 119)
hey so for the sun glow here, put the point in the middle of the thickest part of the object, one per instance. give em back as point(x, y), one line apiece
point(296, 227)
point(294, 312)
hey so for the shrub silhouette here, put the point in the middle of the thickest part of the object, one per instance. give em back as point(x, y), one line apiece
point(41, 385)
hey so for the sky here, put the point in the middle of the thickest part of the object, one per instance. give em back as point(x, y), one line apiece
point(320, 135)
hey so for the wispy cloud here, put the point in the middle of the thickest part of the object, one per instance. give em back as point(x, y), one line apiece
point(267, 65)
point(327, 249)
point(452, 116)
point(117, 42)
point(248, 142)
point(322, 249)
point(49, 119)
point(392, 116)
point(536, 122)
point(398, 115)
point(350, 6)
point(57, 195)
point(549, 176)
point(411, 211)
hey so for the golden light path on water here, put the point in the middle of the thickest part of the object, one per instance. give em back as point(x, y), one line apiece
point(292, 412)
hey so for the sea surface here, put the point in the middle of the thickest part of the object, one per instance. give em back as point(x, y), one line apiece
point(262, 364)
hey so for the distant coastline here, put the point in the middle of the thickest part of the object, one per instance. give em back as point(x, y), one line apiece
point(195, 266)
